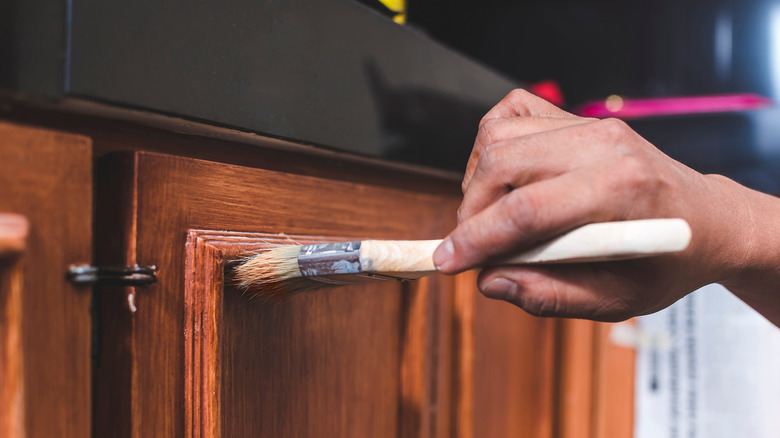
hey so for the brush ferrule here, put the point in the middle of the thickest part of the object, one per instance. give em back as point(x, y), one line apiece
point(329, 259)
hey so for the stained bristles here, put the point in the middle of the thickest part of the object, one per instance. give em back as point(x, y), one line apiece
point(274, 275)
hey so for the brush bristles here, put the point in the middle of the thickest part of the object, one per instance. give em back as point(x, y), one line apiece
point(274, 275)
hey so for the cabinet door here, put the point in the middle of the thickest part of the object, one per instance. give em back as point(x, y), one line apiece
point(13, 236)
point(46, 176)
point(190, 355)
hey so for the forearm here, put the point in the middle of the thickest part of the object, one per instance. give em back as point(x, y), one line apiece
point(755, 265)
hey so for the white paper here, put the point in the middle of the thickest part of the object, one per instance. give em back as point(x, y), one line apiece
point(710, 369)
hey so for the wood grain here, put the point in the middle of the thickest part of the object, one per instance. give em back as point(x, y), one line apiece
point(47, 177)
point(596, 383)
point(576, 385)
point(236, 387)
point(614, 399)
point(13, 232)
point(366, 345)
point(515, 362)
point(465, 366)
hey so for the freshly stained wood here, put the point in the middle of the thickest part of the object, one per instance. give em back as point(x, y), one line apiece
point(363, 362)
point(47, 177)
point(13, 232)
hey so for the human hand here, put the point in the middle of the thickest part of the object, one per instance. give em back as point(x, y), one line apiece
point(537, 171)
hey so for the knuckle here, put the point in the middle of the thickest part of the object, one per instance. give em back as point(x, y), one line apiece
point(521, 100)
point(519, 94)
point(634, 177)
point(488, 160)
point(615, 129)
point(522, 212)
point(489, 131)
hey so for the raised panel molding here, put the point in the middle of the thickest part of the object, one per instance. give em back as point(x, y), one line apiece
point(424, 397)
point(13, 236)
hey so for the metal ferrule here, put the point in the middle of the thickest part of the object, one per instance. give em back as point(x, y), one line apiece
point(330, 259)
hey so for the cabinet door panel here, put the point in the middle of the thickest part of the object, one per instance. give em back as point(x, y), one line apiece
point(47, 177)
point(323, 364)
point(13, 234)
point(206, 360)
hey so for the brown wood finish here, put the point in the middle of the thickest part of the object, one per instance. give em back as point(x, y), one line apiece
point(429, 358)
point(614, 379)
point(46, 176)
point(514, 371)
point(575, 379)
point(596, 379)
point(373, 358)
point(13, 236)
point(460, 365)
point(236, 388)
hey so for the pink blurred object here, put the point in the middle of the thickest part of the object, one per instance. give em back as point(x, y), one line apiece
point(548, 90)
point(625, 108)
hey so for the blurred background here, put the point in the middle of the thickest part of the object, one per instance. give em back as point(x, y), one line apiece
point(707, 364)
point(589, 51)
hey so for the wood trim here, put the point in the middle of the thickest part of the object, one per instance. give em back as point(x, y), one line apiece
point(11, 351)
point(596, 393)
point(463, 348)
point(47, 176)
point(417, 333)
point(614, 381)
point(576, 374)
point(207, 255)
point(13, 234)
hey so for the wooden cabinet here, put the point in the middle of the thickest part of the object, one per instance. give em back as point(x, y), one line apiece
point(191, 356)
point(207, 360)
point(45, 327)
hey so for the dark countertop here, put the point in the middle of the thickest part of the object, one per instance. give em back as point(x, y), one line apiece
point(334, 74)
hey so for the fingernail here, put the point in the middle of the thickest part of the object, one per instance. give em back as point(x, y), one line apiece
point(499, 288)
point(443, 254)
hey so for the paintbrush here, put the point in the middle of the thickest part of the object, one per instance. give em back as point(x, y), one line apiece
point(287, 270)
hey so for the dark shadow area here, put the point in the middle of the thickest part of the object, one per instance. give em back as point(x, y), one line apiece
point(8, 56)
point(422, 126)
point(730, 144)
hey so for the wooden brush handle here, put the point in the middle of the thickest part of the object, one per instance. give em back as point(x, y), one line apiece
point(590, 243)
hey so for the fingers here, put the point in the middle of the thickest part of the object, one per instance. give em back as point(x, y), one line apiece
point(572, 291)
point(511, 164)
point(522, 103)
point(529, 215)
point(493, 131)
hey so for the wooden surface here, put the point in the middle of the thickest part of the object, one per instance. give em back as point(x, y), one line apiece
point(596, 383)
point(429, 359)
point(346, 360)
point(463, 366)
point(593, 242)
point(514, 372)
point(46, 176)
point(614, 385)
point(256, 371)
point(13, 234)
